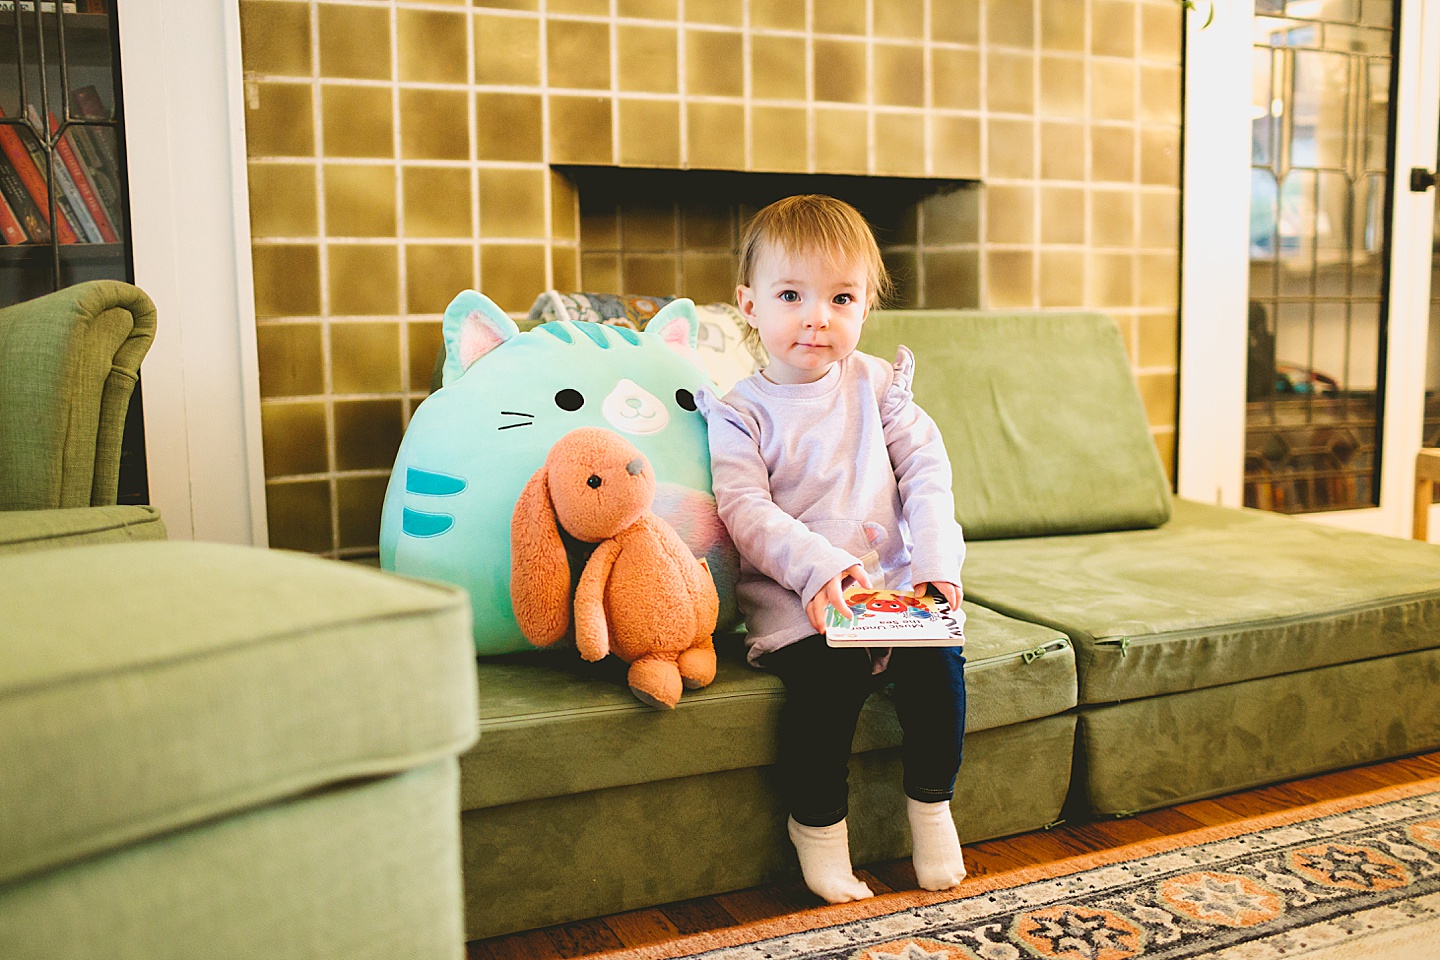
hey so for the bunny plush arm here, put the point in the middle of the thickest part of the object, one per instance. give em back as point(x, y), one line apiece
point(592, 632)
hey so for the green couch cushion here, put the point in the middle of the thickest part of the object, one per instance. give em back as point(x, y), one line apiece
point(1215, 596)
point(1164, 750)
point(22, 530)
point(187, 681)
point(1041, 417)
point(555, 725)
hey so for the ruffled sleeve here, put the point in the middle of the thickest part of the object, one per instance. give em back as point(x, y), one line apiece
point(900, 391)
point(712, 408)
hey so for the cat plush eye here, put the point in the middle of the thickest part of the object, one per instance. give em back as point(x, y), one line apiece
point(569, 400)
point(685, 398)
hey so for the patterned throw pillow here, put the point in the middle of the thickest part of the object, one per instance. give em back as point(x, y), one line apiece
point(720, 347)
point(619, 310)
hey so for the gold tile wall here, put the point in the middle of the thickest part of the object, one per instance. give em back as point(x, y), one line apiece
point(401, 150)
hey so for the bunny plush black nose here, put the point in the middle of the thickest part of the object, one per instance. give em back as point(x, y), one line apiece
point(594, 481)
point(635, 467)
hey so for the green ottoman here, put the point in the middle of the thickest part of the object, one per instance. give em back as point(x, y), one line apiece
point(210, 750)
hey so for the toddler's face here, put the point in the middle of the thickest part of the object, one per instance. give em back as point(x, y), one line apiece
point(807, 310)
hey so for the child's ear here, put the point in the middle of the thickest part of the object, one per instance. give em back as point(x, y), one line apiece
point(745, 301)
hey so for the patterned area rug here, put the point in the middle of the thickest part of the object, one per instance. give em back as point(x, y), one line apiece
point(1352, 878)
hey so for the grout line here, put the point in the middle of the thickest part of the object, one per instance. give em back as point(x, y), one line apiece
point(682, 82)
point(613, 32)
point(748, 85)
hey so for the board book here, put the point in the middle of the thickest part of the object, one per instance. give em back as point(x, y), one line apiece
point(894, 618)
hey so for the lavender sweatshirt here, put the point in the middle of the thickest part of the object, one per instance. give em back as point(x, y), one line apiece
point(812, 478)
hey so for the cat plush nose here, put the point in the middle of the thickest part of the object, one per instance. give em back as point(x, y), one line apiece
point(635, 467)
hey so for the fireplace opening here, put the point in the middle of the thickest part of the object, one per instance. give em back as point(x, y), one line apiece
point(676, 232)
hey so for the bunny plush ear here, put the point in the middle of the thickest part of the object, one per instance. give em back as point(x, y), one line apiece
point(678, 325)
point(473, 327)
point(539, 569)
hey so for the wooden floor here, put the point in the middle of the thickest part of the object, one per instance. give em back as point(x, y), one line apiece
point(657, 924)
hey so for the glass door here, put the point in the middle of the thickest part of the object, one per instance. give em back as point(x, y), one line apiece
point(1306, 276)
point(1322, 89)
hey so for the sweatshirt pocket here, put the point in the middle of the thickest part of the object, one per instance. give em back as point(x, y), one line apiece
point(851, 536)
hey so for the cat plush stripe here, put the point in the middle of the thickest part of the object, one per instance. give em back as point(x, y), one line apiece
point(505, 398)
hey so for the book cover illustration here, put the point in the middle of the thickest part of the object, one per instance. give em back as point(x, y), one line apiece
point(894, 618)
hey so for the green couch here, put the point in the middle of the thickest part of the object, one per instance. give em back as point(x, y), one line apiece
point(205, 750)
point(1126, 651)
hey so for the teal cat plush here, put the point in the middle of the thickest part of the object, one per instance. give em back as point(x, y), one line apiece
point(505, 398)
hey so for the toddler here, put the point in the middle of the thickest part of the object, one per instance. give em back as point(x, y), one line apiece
point(826, 471)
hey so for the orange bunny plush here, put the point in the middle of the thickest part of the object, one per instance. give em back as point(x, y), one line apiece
point(642, 595)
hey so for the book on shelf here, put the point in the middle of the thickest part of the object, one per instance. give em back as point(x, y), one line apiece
point(32, 220)
point(97, 151)
point(894, 618)
point(104, 179)
point(70, 209)
point(92, 210)
point(10, 229)
point(46, 6)
point(13, 145)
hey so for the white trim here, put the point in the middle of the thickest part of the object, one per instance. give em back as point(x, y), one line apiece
point(1215, 268)
point(1418, 113)
point(184, 134)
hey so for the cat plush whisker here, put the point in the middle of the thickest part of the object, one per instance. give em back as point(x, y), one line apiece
point(517, 413)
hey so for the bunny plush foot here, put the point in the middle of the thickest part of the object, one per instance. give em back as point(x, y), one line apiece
point(697, 667)
point(656, 682)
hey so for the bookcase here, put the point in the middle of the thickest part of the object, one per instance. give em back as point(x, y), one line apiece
point(64, 211)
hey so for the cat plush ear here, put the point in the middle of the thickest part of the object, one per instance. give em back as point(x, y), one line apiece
point(473, 327)
point(678, 325)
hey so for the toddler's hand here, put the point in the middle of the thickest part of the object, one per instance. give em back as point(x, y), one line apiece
point(952, 593)
point(833, 595)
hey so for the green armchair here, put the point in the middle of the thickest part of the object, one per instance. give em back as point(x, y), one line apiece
point(205, 749)
point(69, 363)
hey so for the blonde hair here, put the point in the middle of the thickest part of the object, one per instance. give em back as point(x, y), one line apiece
point(815, 224)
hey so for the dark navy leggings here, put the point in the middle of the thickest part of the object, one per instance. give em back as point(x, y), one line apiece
point(825, 687)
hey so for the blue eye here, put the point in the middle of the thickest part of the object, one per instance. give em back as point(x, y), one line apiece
point(844, 298)
point(789, 296)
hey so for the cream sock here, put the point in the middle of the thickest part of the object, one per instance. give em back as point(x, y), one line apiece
point(939, 864)
point(825, 862)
